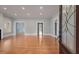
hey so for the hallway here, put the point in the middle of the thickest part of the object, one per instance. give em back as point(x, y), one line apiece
point(29, 45)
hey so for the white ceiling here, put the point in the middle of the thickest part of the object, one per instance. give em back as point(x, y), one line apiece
point(30, 11)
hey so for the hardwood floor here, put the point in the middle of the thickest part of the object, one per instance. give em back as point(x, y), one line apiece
point(29, 45)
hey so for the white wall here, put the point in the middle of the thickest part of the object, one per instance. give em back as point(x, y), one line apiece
point(9, 31)
point(4, 19)
point(31, 26)
point(52, 24)
point(1, 24)
point(48, 26)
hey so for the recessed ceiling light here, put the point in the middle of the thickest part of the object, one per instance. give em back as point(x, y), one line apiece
point(15, 14)
point(23, 8)
point(5, 8)
point(28, 14)
point(41, 14)
point(41, 7)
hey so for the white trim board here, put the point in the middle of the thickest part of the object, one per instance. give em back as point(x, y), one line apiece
point(7, 35)
point(30, 34)
point(43, 34)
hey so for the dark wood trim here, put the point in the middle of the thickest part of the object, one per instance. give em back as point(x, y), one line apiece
point(60, 27)
point(56, 27)
point(60, 22)
point(0, 34)
point(77, 29)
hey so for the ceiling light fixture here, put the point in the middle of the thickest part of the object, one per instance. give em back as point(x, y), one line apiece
point(5, 8)
point(23, 8)
point(41, 7)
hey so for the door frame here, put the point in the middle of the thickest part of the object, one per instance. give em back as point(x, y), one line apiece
point(15, 26)
point(38, 28)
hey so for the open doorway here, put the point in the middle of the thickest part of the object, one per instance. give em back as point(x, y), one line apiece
point(0, 34)
point(40, 29)
point(19, 28)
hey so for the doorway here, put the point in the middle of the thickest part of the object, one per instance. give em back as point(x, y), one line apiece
point(0, 34)
point(40, 29)
point(19, 28)
point(56, 28)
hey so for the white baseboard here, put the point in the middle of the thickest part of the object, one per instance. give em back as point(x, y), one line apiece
point(30, 34)
point(46, 34)
point(43, 34)
point(53, 35)
point(34, 34)
point(7, 35)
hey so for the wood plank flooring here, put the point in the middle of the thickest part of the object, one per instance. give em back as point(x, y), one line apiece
point(29, 45)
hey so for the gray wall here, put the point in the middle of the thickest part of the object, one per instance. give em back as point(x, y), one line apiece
point(49, 26)
point(2, 19)
point(31, 26)
point(52, 24)
point(5, 19)
point(1, 24)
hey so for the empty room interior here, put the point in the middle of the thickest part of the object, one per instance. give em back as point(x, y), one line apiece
point(37, 29)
